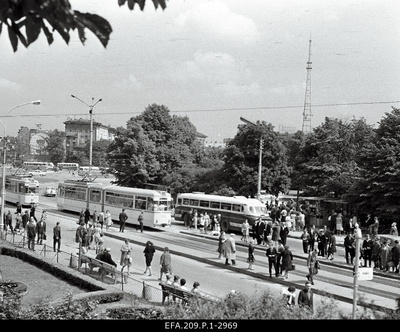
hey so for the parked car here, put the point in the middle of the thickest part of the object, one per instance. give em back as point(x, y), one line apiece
point(50, 192)
point(37, 172)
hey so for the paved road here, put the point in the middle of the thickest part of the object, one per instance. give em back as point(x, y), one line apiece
point(197, 264)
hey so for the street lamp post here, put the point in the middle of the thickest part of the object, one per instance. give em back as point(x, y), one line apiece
point(358, 237)
point(3, 185)
point(260, 158)
point(91, 130)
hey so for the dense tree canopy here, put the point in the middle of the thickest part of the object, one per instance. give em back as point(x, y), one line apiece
point(241, 159)
point(330, 157)
point(379, 185)
point(49, 16)
point(153, 148)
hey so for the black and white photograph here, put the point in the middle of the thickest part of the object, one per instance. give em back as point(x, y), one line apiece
point(199, 164)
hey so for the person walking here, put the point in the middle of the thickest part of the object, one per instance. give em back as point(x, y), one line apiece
point(31, 234)
point(148, 255)
point(8, 222)
point(125, 248)
point(306, 297)
point(33, 211)
point(376, 249)
point(366, 250)
point(393, 229)
point(140, 221)
point(305, 238)
point(101, 219)
point(41, 231)
point(349, 248)
point(108, 219)
point(221, 242)
point(126, 265)
point(245, 231)
point(396, 256)
point(57, 236)
point(312, 264)
point(18, 222)
point(25, 219)
point(332, 247)
point(284, 234)
point(87, 215)
point(230, 250)
point(122, 220)
point(250, 257)
point(374, 228)
point(286, 264)
point(321, 240)
point(339, 224)
point(276, 230)
point(272, 254)
point(165, 263)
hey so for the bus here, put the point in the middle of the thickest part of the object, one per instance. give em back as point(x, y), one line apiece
point(23, 190)
point(75, 196)
point(234, 210)
point(73, 166)
point(84, 170)
point(42, 165)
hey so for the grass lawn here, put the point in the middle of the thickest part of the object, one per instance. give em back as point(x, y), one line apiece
point(41, 284)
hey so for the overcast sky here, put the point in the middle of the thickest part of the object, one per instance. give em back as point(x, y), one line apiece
point(213, 61)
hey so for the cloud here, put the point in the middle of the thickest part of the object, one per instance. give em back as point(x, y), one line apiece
point(6, 84)
point(217, 21)
point(131, 82)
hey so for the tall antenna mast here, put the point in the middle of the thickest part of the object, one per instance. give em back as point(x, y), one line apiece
point(306, 128)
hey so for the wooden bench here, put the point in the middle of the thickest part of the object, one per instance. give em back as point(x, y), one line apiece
point(104, 268)
point(169, 291)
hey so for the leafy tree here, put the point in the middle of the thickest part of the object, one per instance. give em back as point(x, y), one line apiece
point(294, 145)
point(378, 189)
point(241, 158)
point(55, 146)
point(329, 163)
point(49, 16)
point(154, 148)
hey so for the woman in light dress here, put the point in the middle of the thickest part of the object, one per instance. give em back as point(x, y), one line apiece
point(108, 220)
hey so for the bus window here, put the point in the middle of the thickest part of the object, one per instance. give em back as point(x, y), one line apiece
point(205, 204)
point(194, 202)
point(215, 205)
point(226, 206)
point(185, 201)
point(237, 208)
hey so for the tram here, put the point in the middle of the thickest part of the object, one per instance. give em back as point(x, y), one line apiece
point(21, 189)
point(75, 196)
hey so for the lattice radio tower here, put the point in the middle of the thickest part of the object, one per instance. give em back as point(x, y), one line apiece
point(306, 128)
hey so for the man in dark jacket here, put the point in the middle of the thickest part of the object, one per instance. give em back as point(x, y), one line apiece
point(306, 297)
point(272, 254)
point(57, 236)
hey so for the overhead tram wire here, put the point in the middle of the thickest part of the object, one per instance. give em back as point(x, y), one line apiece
point(216, 109)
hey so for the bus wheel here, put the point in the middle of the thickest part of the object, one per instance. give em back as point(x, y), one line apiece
point(225, 225)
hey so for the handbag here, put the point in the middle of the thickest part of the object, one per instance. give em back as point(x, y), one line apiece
point(44, 237)
point(292, 267)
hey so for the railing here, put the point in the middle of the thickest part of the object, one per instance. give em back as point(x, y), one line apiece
point(128, 284)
